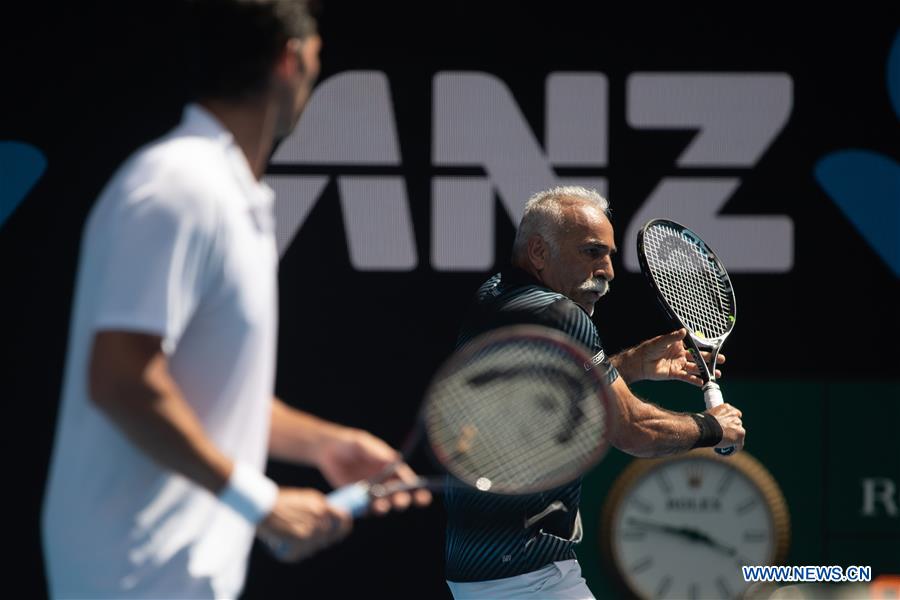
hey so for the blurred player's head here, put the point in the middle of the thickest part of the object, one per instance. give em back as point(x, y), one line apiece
point(565, 239)
point(253, 50)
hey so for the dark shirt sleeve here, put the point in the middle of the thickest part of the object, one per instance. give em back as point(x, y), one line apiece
point(568, 317)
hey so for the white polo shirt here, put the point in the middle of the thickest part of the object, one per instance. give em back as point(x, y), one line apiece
point(180, 244)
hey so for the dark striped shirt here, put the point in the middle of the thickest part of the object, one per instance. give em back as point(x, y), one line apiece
point(486, 533)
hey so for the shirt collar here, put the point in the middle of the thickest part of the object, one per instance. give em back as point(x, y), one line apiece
point(198, 120)
point(513, 275)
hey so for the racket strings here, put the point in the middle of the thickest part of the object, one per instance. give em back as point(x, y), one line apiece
point(690, 280)
point(517, 415)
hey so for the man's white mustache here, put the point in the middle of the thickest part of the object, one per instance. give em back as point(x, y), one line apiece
point(598, 286)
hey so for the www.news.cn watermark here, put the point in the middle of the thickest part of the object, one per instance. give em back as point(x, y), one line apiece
point(809, 573)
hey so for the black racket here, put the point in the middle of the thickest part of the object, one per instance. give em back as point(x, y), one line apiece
point(694, 289)
point(517, 410)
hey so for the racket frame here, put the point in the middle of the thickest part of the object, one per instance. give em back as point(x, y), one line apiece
point(526, 331)
point(355, 497)
point(712, 394)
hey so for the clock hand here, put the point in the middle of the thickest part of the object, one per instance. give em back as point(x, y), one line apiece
point(694, 535)
point(658, 526)
point(699, 536)
point(684, 532)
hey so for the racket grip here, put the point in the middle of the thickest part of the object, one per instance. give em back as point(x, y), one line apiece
point(712, 395)
point(353, 498)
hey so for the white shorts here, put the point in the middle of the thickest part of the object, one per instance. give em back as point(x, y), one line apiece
point(560, 580)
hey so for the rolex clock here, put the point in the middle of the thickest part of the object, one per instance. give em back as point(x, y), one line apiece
point(682, 527)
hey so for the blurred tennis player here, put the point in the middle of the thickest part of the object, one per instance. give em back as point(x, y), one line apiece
point(523, 546)
point(156, 486)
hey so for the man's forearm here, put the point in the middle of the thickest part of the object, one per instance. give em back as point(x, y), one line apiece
point(658, 432)
point(642, 429)
point(296, 436)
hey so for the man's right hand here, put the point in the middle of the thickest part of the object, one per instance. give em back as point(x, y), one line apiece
point(302, 523)
point(729, 419)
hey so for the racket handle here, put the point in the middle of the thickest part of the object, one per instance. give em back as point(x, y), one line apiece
point(353, 498)
point(712, 395)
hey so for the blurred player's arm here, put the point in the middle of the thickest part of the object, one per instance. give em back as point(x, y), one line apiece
point(342, 454)
point(129, 381)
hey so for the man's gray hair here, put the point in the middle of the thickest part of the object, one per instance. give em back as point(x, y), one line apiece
point(544, 214)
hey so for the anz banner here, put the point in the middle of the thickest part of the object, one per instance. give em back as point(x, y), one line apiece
point(411, 166)
point(476, 122)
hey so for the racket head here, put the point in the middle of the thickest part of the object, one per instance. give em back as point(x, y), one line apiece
point(517, 410)
point(690, 281)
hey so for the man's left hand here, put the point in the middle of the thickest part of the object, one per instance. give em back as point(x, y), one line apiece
point(349, 455)
point(663, 357)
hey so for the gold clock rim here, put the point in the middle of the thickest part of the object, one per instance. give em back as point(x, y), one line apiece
point(749, 466)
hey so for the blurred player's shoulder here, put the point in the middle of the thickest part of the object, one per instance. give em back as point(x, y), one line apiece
point(192, 168)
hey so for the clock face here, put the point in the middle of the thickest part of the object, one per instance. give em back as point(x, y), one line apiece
point(683, 527)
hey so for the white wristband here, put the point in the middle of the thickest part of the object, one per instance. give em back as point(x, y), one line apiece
point(250, 493)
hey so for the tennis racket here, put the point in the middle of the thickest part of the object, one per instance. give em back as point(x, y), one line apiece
point(694, 289)
point(517, 410)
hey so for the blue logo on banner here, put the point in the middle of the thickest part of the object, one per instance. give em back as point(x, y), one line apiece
point(865, 184)
point(21, 165)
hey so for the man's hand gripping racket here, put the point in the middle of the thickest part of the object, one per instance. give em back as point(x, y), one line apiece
point(514, 411)
point(693, 287)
